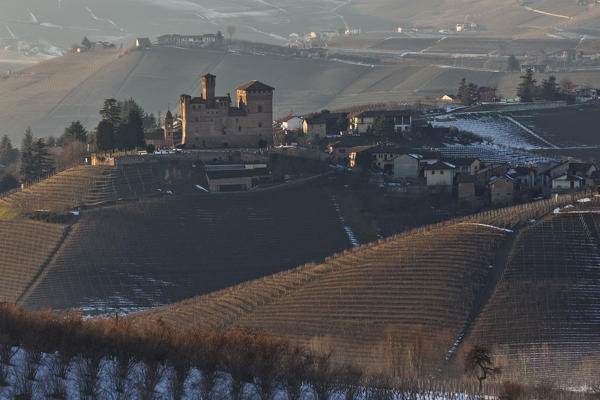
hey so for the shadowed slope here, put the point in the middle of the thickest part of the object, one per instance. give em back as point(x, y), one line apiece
point(359, 300)
point(133, 256)
point(543, 315)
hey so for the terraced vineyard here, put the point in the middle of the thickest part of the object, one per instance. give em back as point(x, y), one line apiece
point(543, 315)
point(25, 248)
point(81, 186)
point(377, 301)
point(137, 255)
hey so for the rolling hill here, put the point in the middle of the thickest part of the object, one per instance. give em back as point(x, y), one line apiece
point(64, 22)
point(50, 95)
point(421, 292)
point(136, 236)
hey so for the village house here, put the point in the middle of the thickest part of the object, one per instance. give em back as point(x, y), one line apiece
point(502, 190)
point(466, 187)
point(583, 170)
point(383, 157)
point(466, 166)
point(354, 154)
point(407, 166)
point(524, 177)
point(292, 123)
point(567, 182)
point(362, 122)
point(440, 174)
point(319, 126)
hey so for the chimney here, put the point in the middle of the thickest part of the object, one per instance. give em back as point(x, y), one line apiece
point(208, 87)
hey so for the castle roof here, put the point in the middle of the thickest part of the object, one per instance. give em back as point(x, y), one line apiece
point(255, 85)
point(168, 115)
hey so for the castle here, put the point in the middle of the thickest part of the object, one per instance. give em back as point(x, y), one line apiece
point(213, 121)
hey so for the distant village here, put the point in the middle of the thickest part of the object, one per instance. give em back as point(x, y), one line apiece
point(396, 150)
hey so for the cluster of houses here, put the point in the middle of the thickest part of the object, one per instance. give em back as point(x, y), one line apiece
point(469, 179)
point(314, 127)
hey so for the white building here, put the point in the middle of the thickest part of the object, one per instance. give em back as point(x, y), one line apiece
point(440, 174)
point(292, 123)
point(407, 166)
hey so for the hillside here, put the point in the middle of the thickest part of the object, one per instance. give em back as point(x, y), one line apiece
point(376, 305)
point(51, 94)
point(135, 255)
point(65, 22)
point(543, 313)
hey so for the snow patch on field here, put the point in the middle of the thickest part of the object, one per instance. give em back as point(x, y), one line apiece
point(351, 236)
point(489, 226)
point(492, 153)
point(502, 130)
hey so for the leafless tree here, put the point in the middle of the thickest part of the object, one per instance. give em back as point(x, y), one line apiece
point(478, 362)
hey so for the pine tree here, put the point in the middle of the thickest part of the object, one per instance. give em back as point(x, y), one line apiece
point(550, 89)
point(512, 64)
point(8, 154)
point(111, 112)
point(104, 138)
point(462, 90)
point(73, 132)
point(527, 88)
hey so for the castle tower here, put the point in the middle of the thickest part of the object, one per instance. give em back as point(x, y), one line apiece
point(169, 141)
point(208, 87)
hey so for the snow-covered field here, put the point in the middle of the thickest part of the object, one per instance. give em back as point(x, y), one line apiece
point(500, 129)
point(492, 153)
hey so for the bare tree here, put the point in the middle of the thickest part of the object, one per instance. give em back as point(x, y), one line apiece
point(478, 363)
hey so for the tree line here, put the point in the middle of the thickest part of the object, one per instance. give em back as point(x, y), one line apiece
point(122, 127)
point(529, 90)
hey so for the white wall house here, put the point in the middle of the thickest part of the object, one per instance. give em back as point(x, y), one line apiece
point(440, 174)
point(292, 123)
point(407, 166)
point(566, 182)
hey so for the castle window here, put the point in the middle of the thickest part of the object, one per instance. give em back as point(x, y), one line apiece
point(259, 108)
point(239, 128)
point(260, 124)
point(196, 119)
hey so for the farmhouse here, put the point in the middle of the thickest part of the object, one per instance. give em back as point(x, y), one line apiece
point(211, 121)
point(363, 121)
point(440, 174)
point(501, 190)
point(466, 166)
point(567, 182)
point(292, 123)
point(466, 187)
point(407, 166)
